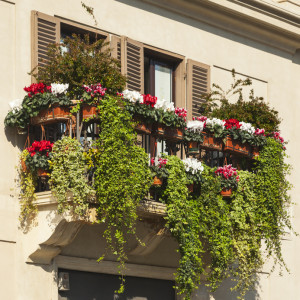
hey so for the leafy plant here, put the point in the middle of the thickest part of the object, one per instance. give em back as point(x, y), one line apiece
point(228, 177)
point(146, 112)
point(68, 175)
point(85, 62)
point(158, 167)
point(182, 220)
point(122, 176)
point(27, 181)
point(255, 110)
point(38, 157)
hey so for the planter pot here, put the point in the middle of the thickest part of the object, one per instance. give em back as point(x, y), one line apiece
point(52, 115)
point(89, 111)
point(42, 173)
point(255, 152)
point(23, 166)
point(173, 134)
point(211, 143)
point(160, 129)
point(157, 181)
point(236, 147)
point(226, 193)
point(193, 148)
point(190, 187)
point(142, 127)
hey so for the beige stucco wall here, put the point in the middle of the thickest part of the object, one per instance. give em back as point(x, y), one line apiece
point(275, 75)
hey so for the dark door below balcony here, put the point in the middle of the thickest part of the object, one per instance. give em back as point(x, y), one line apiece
point(95, 286)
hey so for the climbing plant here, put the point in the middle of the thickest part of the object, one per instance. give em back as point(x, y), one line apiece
point(122, 176)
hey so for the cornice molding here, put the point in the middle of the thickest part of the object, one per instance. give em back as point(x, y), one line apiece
point(235, 16)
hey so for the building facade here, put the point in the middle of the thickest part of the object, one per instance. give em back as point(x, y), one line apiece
point(173, 48)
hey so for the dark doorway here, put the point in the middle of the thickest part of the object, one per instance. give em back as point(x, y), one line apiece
point(95, 286)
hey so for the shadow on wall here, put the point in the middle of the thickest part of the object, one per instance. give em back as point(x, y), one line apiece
point(208, 28)
point(224, 292)
point(17, 140)
point(296, 57)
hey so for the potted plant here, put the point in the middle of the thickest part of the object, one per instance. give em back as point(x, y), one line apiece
point(141, 107)
point(212, 134)
point(143, 115)
point(193, 136)
point(91, 97)
point(159, 170)
point(236, 139)
point(229, 179)
point(38, 159)
point(258, 141)
point(68, 174)
point(46, 104)
point(193, 169)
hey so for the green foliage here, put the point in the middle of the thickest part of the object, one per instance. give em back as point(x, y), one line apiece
point(272, 195)
point(27, 181)
point(214, 227)
point(85, 62)
point(183, 222)
point(122, 176)
point(191, 136)
point(255, 110)
point(170, 119)
point(17, 118)
point(68, 175)
point(148, 113)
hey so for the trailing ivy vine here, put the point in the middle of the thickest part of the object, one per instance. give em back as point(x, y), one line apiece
point(68, 175)
point(183, 222)
point(122, 176)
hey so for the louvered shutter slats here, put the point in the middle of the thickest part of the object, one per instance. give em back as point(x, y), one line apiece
point(45, 31)
point(198, 82)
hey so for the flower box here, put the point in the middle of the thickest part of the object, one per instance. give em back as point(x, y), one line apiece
point(89, 111)
point(142, 127)
point(190, 187)
point(42, 173)
point(157, 181)
point(226, 193)
point(236, 147)
point(160, 130)
point(52, 115)
point(255, 152)
point(173, 134)
point(193, 148)
point(211, 143)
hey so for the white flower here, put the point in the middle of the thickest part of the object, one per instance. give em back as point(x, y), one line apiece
point(247, 127)
point(214, 121)
point(59, 88)
point(192, 165)
point(195, 126)
point(133, 96)
point(15, 105)
point(164, 104)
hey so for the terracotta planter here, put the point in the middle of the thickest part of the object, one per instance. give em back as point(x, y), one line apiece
point(190, 187)
point(89, 111)
point(173, 134)
point(160, 129)
point(193, 148)
point(23, 165)
point(52, 115)
point(157, 181)
point(211, 143)
point(142, 127)
point(226, 193)
point(42, 173)
point(236, 147)
point(255, 152)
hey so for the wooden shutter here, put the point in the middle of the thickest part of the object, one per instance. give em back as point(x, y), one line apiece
point(132, 63)
point(115, 48)
point(198, 84)
point(45, 31)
